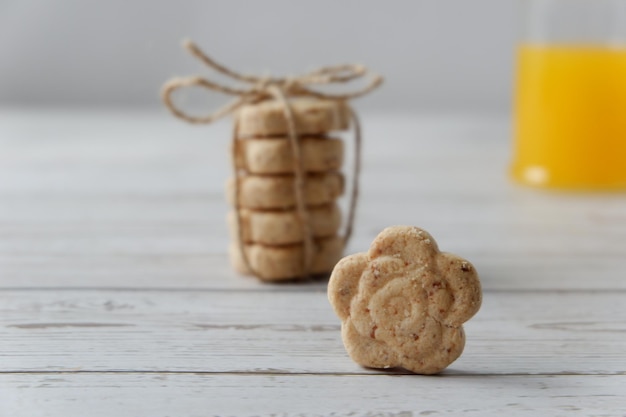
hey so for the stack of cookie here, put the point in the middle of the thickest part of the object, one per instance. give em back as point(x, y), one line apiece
point(272, 232)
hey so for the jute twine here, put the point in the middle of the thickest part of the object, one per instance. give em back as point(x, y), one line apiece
point(259, 89)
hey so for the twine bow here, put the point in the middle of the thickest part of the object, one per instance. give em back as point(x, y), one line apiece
point(280, 89)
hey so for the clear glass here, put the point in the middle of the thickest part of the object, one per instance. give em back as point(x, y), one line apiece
point(570, 99)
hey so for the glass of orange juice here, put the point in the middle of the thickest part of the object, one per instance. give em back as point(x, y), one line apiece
point(570, 101)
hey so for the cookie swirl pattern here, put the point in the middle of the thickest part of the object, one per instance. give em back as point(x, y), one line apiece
point(403, 303)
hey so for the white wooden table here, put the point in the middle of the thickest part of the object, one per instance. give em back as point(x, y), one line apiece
point(116, 297)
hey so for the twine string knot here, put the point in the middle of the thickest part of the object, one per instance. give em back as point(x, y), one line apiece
point(256, 89)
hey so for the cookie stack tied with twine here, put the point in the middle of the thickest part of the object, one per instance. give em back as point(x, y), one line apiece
point(275, 232)
point(285, 220)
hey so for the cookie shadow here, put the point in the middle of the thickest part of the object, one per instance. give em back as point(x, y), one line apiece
point(446, 373)
point(312, 281)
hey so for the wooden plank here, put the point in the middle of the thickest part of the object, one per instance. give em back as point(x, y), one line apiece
point(549, 227)
point(136, 205)
point(212, 271)
point(290, 332)
point(187, 395)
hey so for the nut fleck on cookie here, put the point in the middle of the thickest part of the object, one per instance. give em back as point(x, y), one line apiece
point(403, 303)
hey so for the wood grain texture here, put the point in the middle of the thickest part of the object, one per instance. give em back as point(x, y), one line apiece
point(166, 395)
point(290, 332)
point(116, 296)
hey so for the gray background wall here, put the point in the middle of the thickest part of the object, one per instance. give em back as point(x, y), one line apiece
point(437, 55)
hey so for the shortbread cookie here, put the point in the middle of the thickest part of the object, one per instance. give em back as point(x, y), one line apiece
point(403, 303)
point(277, 192)
point(311, 115)
point(284, 227)
point(274, 155)
point(279, 263)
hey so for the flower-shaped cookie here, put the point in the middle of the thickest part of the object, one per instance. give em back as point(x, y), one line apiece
point(403, 303)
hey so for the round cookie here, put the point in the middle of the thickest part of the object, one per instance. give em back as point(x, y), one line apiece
point(284, 227)
point(312, 116)
point(403, 303)
point(280, 263)
point(274, 155)
point(277, 192)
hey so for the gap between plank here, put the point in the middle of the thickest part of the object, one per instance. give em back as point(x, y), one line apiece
point(285, 373)
point(303, 289)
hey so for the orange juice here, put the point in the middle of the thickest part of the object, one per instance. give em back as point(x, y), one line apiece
point(570, 129)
